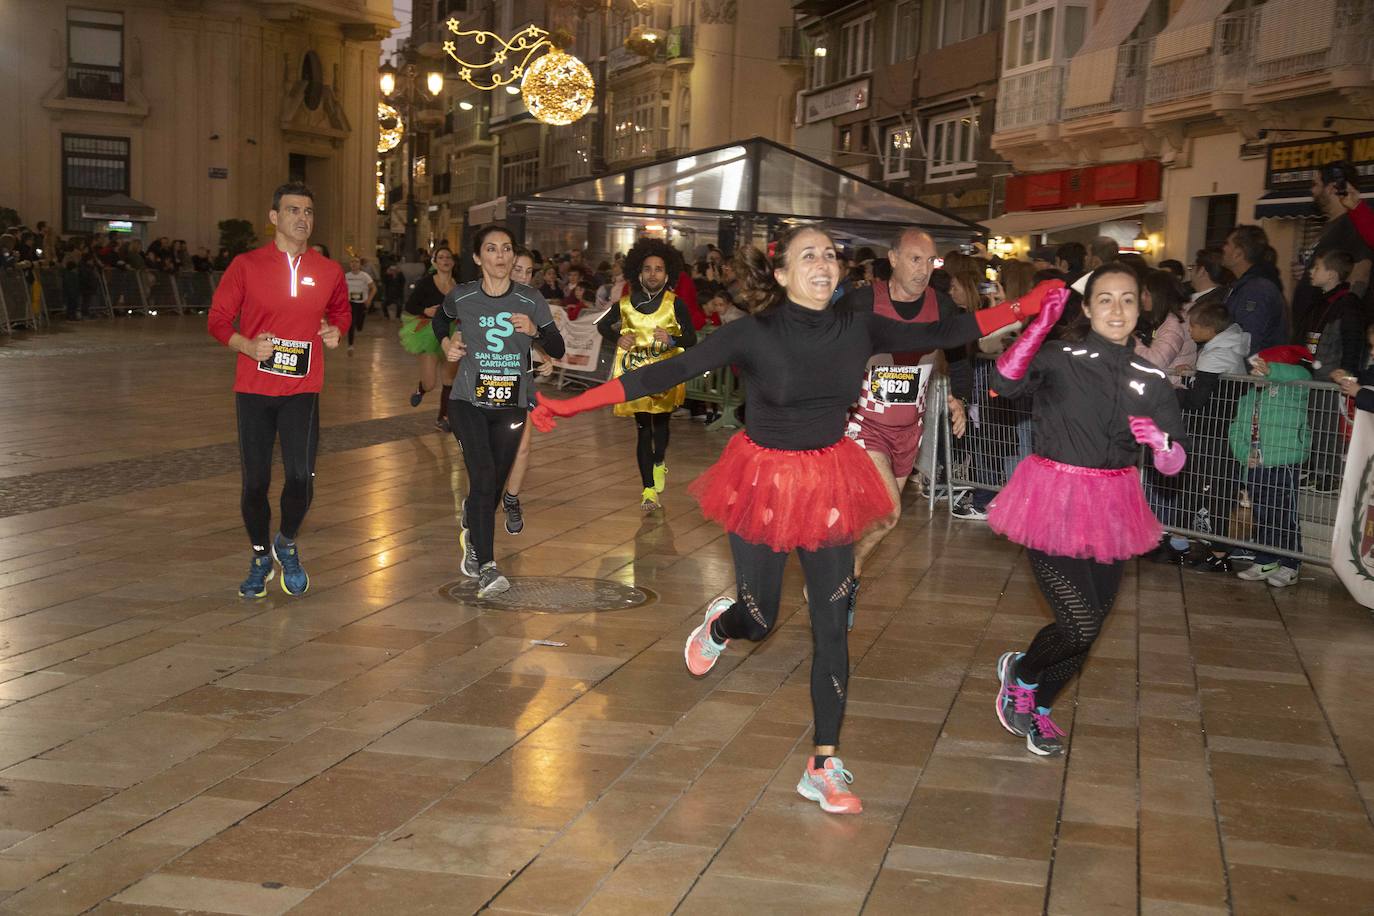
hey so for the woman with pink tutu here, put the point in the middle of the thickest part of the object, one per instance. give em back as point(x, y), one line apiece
point(1076, 503)
point(793, 480)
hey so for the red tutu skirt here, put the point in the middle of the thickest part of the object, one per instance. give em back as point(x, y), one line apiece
point(787, 499)
point(1069, 511)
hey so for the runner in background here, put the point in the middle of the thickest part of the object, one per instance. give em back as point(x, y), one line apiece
point(522, 273)
point(421, 306)
point(288, 302)
point(889, 416)
point(650, 324)
point(361, 289)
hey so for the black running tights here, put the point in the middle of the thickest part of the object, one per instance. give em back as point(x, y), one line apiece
point(829, 574)
point(652, 447)
point(359, 316)
point(490, 438)
point(1080, 592)
point(261, 419)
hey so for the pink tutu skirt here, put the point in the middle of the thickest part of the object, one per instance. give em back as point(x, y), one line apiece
point(789, 499)
point(1069, 511)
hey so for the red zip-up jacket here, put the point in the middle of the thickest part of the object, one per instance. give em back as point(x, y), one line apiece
point(268, 290)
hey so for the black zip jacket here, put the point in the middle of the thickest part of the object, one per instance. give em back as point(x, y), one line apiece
point(802, 368)
point(1085, 394)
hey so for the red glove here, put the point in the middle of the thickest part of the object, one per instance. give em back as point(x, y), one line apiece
point(542, 416)
point(1023, 309)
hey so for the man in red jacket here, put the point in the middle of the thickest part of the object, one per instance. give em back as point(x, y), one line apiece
point(288, 301)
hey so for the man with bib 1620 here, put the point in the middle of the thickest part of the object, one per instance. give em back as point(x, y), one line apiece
point(888, 418)
point(650, 324)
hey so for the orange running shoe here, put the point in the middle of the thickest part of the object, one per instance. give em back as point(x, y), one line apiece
point(702, 651)
point(828, 787)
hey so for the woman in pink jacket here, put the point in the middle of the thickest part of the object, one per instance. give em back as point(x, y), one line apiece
point(1171, 346)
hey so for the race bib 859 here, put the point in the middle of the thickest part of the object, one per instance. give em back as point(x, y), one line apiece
point(290, 358)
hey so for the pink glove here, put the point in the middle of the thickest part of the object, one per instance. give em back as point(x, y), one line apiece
point(1017, 359)
point(1168, 456)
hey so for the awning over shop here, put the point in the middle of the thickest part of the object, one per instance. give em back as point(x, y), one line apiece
point(1012, 224)
point(118, 206)
point(1288, 205)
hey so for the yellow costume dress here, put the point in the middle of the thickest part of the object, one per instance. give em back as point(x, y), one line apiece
point(647, 350)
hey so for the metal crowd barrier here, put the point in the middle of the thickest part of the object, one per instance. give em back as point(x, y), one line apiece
point(1279, 498)
point(18, 307)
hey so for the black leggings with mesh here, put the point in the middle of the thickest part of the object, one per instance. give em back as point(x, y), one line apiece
point(652, 447)
point(264, 419)
point(829, 574)
point(1080, 592)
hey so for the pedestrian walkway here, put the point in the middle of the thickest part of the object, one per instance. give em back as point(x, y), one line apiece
point(378, 747)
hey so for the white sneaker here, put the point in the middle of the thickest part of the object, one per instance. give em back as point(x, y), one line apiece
point(1257, 571)
point(1282, 577)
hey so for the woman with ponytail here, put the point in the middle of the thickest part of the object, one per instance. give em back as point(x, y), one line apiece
point(793, 481)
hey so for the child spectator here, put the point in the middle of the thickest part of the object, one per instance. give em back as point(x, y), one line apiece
point(1211, 474)
point(1271, 439)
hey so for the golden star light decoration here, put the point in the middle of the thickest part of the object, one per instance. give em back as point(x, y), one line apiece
point(556, 87)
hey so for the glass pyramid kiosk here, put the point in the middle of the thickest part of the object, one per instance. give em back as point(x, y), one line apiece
point(742, 193)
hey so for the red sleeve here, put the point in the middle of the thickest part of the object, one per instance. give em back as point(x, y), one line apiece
point(339, 312)
point(226, 302)
point(1363, 219)
point(686, 290)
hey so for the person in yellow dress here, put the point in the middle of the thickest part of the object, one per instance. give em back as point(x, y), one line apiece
point(649, 324)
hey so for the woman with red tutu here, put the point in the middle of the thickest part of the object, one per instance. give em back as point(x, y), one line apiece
point(1076, 503)
point(793, 481)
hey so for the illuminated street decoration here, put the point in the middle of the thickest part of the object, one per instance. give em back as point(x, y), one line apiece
point(557, 88)
point(391, 127)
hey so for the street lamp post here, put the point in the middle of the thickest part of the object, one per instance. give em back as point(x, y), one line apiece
point(403, 87)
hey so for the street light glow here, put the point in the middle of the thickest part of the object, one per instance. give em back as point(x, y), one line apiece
point(434, 81)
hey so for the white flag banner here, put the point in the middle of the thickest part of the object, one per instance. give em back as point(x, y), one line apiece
point(580, 338)
point(1352, 542)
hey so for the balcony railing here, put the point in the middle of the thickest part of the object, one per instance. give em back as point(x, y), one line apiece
point(1128, 87)
point(1030, 99)
point(791, 45)
point(105, 84)
point(1222, 68)
point(1352, 40)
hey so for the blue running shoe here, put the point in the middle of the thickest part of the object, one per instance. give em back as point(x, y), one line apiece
point(294, 581)
point(259, 574)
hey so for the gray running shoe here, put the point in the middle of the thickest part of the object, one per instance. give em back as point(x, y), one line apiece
point(468, 567)
point(1015, 704)
point(491, 582)
point(1045, 739)
point(515, 518)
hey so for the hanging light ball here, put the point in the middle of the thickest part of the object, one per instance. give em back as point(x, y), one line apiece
point(389, 127)
point(558, 88)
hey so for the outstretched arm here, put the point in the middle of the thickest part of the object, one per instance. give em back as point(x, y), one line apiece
point(726, 346)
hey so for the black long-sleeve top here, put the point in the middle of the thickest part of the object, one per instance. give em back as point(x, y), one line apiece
point(960, 367)
point(425, 295)
point(802, 368)
point(1085, 394)
point(609, 323)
